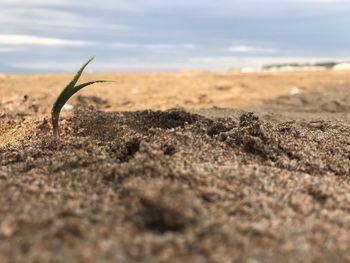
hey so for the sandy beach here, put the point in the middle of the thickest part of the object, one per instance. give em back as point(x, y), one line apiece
point(177, 167)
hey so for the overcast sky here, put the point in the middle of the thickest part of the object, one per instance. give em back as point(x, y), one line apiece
point(58, 35)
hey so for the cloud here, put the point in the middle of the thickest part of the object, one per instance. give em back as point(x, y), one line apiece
point(250, 49)
point(160, 33)
point(26, 17)
point(54, 18)
point(8, 39)
point(37, 2)
point(155, 46)
point(319, 1)
point(9, 49)
point(120, 65)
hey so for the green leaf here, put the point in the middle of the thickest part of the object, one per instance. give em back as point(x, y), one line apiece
point(83, 85)
point(65, 95)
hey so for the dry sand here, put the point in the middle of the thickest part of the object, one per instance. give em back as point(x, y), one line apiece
point(246, 168)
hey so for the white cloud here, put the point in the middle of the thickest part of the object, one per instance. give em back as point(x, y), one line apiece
point(11, 49)
point(22, 17)
point(250, 49)
point(124, 29)
point(119, 65)
point(52, 17)
point(7, 41)
point(319, 1)
point(39, 41)
point(155, 46)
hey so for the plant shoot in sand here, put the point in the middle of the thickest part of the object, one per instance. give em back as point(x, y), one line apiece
point(66, 93)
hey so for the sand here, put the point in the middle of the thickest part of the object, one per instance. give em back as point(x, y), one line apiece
point(177, 167)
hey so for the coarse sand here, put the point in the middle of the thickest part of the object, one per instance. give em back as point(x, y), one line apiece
point(177, 167)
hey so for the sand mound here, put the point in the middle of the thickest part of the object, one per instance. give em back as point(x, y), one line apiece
point(174, 186)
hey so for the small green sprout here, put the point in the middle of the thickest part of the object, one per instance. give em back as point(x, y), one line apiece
point(65, 95)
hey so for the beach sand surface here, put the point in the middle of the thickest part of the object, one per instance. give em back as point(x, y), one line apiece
point(177, 167)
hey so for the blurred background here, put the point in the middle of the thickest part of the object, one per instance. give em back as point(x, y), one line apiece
point(163, 35)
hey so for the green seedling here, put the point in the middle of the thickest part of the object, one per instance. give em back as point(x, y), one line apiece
point(65, 95)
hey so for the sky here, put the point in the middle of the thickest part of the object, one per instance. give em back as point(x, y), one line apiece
point(163, 35)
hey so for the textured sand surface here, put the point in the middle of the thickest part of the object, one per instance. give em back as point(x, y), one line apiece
point(252, 168)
